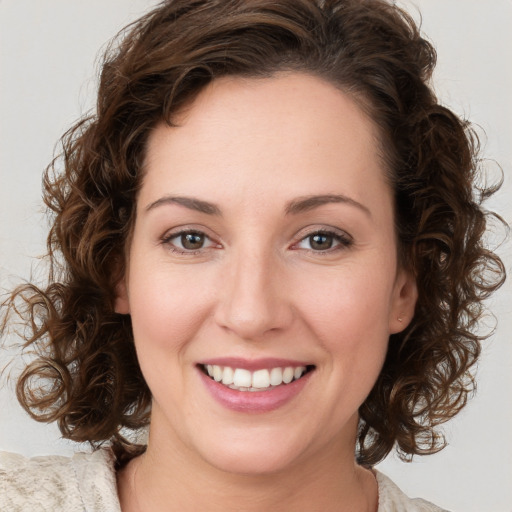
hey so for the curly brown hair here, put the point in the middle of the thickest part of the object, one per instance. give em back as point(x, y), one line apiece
point(86, 375)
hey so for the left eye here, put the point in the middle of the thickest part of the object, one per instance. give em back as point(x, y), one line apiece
point(323, 241)
point(189, 241)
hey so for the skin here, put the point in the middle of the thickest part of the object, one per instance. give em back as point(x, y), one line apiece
point(259, 287)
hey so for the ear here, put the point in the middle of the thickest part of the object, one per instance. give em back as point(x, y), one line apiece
point(405, 295)
point(122, 304)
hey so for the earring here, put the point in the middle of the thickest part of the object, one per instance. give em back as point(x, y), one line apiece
point(400, 319)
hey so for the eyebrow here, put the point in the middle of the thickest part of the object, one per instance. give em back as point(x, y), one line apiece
point(299, 205)
point(306, 203)
point(191, 203)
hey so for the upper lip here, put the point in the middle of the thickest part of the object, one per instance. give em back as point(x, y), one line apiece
point(254, 364)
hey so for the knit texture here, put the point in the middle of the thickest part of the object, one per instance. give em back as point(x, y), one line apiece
point(86, 482)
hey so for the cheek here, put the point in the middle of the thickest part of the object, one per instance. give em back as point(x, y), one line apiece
point(166, 308)
point(349, 315)
point(347, 296)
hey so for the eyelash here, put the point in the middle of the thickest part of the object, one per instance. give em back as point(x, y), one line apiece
point(343, 240)
point(167, 240)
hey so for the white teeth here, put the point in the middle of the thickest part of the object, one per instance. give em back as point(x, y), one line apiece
point(288, 374)
point(227, 376)
point(276, 376)
point(261, 379)
point(297, 374)
point(217, 373)
point(244, 380)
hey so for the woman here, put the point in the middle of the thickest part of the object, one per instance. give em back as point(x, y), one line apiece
point(271, 248)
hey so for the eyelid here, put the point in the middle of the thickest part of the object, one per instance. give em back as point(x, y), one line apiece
point(183, 230)
point(343, 238)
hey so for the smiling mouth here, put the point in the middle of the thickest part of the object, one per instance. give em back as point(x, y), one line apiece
point(241, 379)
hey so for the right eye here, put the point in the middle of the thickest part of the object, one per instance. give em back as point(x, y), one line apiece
point(188, 242)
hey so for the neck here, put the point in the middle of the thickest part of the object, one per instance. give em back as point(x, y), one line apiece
point(167, 478)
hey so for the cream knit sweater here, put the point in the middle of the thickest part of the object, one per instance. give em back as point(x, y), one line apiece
point(86, 482)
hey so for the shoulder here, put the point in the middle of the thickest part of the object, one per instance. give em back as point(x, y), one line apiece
point(392, 499)
point(85, 481)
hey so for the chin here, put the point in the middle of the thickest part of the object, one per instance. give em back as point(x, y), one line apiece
point(253, 456)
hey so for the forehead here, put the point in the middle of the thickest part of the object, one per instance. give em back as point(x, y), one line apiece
point(291, 133)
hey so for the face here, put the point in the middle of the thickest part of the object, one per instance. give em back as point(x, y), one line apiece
point(262, 278)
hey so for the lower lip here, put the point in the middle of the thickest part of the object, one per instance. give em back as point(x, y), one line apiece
point(254, 401)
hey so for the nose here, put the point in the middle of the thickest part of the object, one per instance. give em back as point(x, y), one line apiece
point(254, 299)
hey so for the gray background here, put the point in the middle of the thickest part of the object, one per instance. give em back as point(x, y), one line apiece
point(48, 54)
